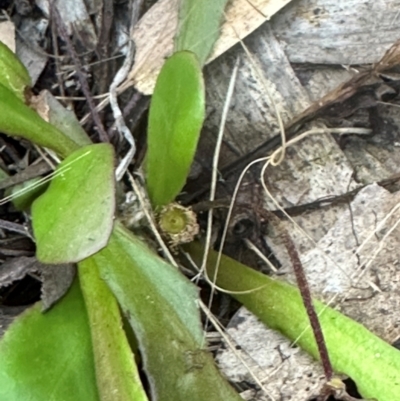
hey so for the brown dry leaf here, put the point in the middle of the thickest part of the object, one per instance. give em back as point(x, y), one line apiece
point(354, 252)
point(337, 32)
point(31, 35)
point(56, 279)
point(76, 17)
point(7, 34)
point(286, 372)
point(52, 111)
point(349, 88)
point(16, 269)
point(154, 35)
point(352, 261)
point(390, 59)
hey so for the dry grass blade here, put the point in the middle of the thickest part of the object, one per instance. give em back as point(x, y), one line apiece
point(42, 181)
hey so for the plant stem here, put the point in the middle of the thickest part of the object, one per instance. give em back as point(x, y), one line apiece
point(308, 304)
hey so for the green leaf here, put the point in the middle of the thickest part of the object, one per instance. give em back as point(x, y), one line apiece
point(371, 362)
point(24, 194)
point(175, 120)
point(49, 356)
point(199, 24)
point(65, 120)
point(17, 119)
point(3, 174)
point(161, 306)
point(73, 219)
point(13, 74)
point(116, 373)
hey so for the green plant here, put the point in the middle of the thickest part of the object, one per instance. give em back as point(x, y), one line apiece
point(73, 221)
point(175, 119)
point(376, 375)
point(80, 343)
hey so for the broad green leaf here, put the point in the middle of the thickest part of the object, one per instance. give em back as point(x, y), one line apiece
point(49, 356)
point(175, 120)
point(199, 24)
point(73, 219)
point(116, 373)
point(13, 74)
point(17, 119)
point(161, 307)
point(372, 363)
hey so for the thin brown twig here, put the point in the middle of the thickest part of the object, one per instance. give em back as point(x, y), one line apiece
point(31, 171)
point(102, 71)
point(82, 79)
point(57, 59)
point(104, 36)
point(257, 9)
point(307, 301)
point(14, 227)
point(305, 294)
point(119, 77)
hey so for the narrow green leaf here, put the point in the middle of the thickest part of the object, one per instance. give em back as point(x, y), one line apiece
point(17, 119)
point(116, 373)
point(372, 363)
point(199, 24)
point(73, 219)
point(13, 74)
point(3, 174)
point(160, 276)
point(161, 307)
point(49, 356)
point(175, 120)
point(24, 194)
